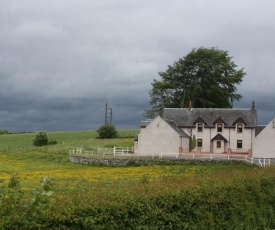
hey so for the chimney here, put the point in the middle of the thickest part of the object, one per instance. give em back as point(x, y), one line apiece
point(253, 105)
point(190, 104)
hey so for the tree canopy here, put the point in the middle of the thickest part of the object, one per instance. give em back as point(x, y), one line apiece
point(206, 76)
point(40, 139)
point(107, 131)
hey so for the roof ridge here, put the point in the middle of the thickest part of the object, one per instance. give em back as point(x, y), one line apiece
point(210, 108)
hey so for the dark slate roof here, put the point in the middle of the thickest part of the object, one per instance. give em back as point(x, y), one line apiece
point(259, 129)
point(176, 128)
point(185, 117)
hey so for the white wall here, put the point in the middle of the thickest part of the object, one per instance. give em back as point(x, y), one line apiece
point(158, 138)
point(264, 143)
point(230, 134)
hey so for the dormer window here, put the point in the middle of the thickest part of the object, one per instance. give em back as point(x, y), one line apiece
point(239, 128)
point(200, 122)
point(220, 123)
point(219, 128)
point(240, 123)
point(200, 127)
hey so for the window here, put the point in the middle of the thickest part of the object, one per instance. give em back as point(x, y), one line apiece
point(200, 127)
point(239, 128)
point(219, 128)
point(239, 144)
point(219, 144)
point(199, 143)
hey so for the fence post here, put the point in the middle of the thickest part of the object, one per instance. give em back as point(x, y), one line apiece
point(228, 157)
point(260, 163)
point(114, 151)
point(193, 156)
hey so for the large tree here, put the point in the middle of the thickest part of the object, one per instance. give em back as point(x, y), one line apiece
point(205, 76)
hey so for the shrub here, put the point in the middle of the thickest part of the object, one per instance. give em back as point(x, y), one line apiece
point(192, 143)
point(52, 142)
point(107, 132)
point(40, 139)
point(4, 131)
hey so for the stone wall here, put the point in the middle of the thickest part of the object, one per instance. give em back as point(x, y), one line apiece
point(123, 161)
point(108, 162)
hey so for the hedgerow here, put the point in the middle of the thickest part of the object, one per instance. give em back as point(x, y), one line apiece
point(215, 200)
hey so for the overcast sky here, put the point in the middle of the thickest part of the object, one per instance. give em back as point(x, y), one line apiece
point(60, 60)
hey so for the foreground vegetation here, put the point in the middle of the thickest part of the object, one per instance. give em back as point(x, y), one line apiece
point(41, 189)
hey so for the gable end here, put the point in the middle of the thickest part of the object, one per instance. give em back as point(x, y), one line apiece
point(240, 120)
point(200, 120)
point(219, 120)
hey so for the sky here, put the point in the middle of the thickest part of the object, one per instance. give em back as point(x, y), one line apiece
point(61, 60)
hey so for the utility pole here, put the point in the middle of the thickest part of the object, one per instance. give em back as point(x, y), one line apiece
point(108, 115)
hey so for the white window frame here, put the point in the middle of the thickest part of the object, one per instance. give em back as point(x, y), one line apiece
point(199, 141)
point(218, 126)
point(200, 125)
point(241, 142)
point(237, 127)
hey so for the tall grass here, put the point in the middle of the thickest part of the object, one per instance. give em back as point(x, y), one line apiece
point(182, 196)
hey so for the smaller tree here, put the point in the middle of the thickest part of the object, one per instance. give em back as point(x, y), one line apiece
point(107, 132)
point(192, 143)
point(40, 139)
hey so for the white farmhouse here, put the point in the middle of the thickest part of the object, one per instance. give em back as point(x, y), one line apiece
point(215, 130)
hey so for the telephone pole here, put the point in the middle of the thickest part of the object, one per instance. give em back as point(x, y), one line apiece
point(108, 115)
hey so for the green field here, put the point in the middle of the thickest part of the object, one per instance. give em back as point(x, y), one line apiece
point(66, 140)
point(187, 195)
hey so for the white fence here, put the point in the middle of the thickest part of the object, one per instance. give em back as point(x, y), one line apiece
point(104, 152)
point(123, 150)
point(76, 151)
point(129, 151)
point(263, 162)
point(116, 151)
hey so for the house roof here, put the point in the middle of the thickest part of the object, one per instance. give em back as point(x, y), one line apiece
point(219, 137)
point(185, 117)
point(176, 128)
point(259, 129)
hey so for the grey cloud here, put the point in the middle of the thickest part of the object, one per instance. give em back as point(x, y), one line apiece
point(60, 61)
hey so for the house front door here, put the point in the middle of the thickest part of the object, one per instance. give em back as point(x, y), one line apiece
point(218, 146)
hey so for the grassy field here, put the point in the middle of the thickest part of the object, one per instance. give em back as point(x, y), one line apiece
point(86, 196)
point(66, 140)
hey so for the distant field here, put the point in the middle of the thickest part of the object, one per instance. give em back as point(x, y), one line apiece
point(66, 140)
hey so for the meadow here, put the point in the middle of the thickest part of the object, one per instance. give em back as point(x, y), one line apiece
point(41, 189)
